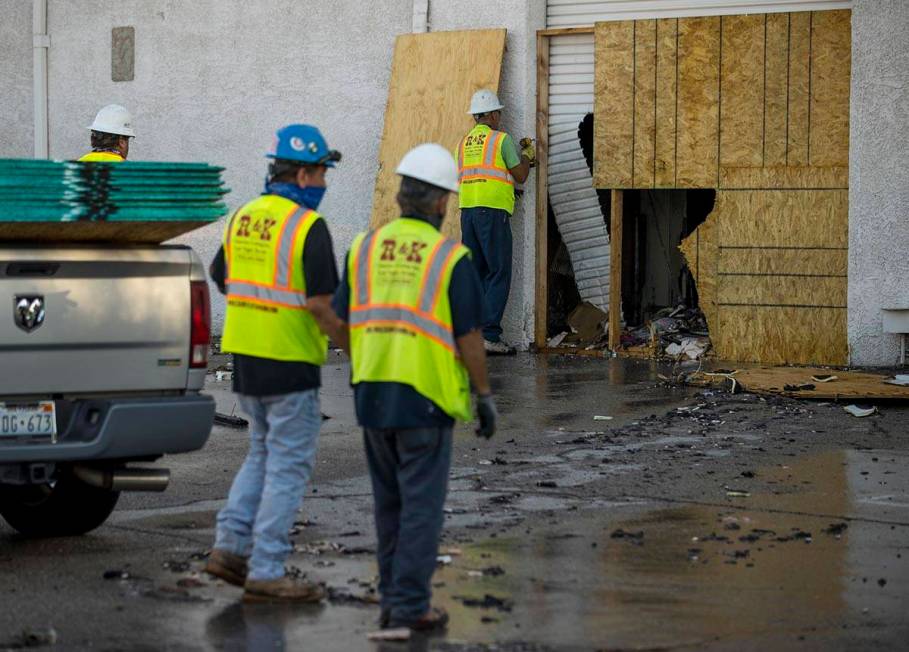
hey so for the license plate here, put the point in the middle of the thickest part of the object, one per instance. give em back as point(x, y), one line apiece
point(28, 420)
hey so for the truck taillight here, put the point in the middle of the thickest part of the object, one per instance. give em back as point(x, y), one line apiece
point(200, 320)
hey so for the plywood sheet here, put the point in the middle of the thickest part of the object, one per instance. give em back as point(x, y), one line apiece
point(805, 219)
point(742, 91)
point(770, 268)
point(644, 102)
point(850, 385)
point(699, 102)
point(798, 124)
point(781, 335)
point(779, 262)
point(122, 232)
point(702, 255)
point(776, 89)
point(614, 105)
point(830, 67)
point(784, 177)
point(433, 77)
point(666, 104)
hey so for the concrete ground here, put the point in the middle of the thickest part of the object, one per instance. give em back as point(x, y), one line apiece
point(689, 519)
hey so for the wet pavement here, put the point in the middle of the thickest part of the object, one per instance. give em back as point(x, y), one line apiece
point(686, 520)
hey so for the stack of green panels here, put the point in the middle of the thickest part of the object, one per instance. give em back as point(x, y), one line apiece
point(55, 191)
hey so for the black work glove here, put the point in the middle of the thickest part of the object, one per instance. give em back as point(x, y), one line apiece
point(486, 415)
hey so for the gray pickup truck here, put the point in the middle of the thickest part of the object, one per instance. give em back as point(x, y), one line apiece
point(103, 353)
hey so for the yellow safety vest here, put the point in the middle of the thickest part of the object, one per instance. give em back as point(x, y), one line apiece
point(105, 157)
point(484, 177)
point(400, 317)
point(266, 287)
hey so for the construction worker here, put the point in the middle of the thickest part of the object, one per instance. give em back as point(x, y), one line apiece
point(277, 268)
point(489, 165)
point(111, 131)
point(412, 300)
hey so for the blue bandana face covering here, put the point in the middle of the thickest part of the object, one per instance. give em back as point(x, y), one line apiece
point(310, 196)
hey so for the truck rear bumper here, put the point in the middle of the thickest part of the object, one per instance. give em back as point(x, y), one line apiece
point(121, 429)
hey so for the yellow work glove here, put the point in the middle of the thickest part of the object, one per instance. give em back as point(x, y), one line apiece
point(528, 150)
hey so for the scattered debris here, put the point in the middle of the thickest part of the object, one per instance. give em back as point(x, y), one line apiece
point(555, 340)
point(31, 637)
point(737, 493)
point(190, 583)
point(443, 560)
point(343, 596)
point(176, 566)
point(860, 410)
point(230, 421)
point(547, 484)
point(489, 601)
point(836, 529)
point(799, 387)
point(901, 380)
point(824, 378)
point(601, 417)
point(116, 574)
point(636, 538)
point(396, 634)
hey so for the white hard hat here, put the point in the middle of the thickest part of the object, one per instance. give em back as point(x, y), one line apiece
point(432, 164)
point(114, 119)
point(484, 101)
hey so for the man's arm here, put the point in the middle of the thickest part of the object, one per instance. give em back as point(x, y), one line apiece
point(473, 355)
point(518, 164)
point(521, 171)
point(321, 310)
point(218, 271)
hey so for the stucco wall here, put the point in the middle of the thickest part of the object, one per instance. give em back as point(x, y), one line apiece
point(878, 176)
point(215, 78)
point(16, 118)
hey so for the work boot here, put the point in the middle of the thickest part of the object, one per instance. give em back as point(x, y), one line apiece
point(498, 348)
point(227, 566)
point(434, 619)
point(283, 589)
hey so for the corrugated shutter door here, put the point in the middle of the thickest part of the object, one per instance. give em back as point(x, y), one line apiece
point(579, 13)
point(571, 193)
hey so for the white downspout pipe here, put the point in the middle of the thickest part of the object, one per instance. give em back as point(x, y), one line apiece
point(40, 45)
point(420, 16)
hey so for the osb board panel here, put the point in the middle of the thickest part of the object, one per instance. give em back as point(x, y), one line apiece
point(799, 69)
point(849, 384)
point(702, 255)
point(770, 268)
point(123, 232)
point(803, 219)
point(781, 335)
point(614, 104)
point(831, 56)
point(666, 105)
point(742, 91)
point(644, 103)
point(814, 262)
point(433, 77)
point(750, 92)
point(698, 102)
point(783, 177)
point(776, 87)
point(758, 289)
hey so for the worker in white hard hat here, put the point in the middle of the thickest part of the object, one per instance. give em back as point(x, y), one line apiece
point(412, 302)
point(489, 166)
point(111, 131)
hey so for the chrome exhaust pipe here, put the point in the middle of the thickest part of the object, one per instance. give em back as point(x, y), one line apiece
point(126, 479)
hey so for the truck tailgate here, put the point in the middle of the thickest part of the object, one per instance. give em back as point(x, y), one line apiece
point(115, 319)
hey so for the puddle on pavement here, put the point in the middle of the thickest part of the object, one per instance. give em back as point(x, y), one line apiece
point(754, 572)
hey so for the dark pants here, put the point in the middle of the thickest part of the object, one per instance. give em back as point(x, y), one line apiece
point(409, 471)
point(487, 233)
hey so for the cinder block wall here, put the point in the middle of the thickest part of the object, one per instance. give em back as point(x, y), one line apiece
point(215, 78)
point(878, 174)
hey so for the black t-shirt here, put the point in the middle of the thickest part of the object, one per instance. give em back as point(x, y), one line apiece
point(256, 376)
point(396, 405)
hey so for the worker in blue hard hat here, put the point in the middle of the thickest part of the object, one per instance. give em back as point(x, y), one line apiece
point(277, 268)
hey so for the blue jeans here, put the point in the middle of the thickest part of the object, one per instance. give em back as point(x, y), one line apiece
point(487, 233)
point(409, 471)
point(269, 487)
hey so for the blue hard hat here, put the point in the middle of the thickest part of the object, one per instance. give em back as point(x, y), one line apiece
point(303, 143)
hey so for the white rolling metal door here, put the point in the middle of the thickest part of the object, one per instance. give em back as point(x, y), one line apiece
point(584, 13)
point(571, 193)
